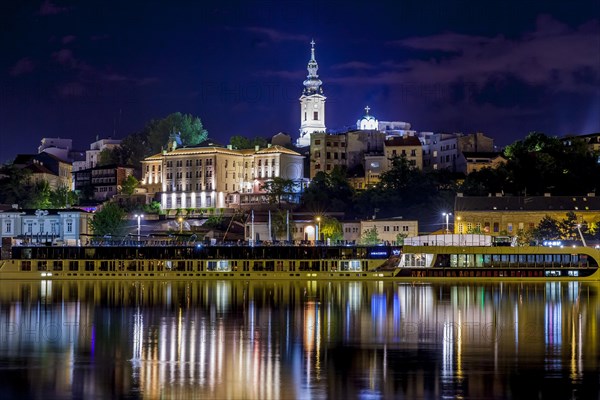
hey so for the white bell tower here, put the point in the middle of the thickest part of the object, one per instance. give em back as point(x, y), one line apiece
point(312, 102)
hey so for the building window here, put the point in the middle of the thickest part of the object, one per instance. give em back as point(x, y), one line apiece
point(69, 226)
point(317, 142)
point(386, 228)
point(496, 227)
point(316, 115)
point(405, 228)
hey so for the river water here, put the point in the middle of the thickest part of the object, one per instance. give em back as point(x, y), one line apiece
point(224, 339)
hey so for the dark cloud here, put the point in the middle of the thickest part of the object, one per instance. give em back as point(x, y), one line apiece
point(275, 35)
point(68, 39)
point(49, 8)
point(22, 67)
point(552, 56)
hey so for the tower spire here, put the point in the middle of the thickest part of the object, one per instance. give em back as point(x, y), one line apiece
point(312, 84)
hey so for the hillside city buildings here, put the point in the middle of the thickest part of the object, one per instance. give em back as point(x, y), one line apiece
point(217, 177)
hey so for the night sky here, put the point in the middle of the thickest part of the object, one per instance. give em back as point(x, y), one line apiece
point(505, 68)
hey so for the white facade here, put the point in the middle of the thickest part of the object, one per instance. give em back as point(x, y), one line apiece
point(215, 177)
point(389, 229)
point(45, 226)
point(92, 155)
point(367, 122)
point(312, 103)
point(57, 147)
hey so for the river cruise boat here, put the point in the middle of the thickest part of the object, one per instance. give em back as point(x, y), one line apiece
point(487, 257)
point(200, 262)
point(437, 258)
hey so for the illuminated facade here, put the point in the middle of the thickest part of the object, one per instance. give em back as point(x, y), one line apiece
point(312, 103)
point(217, 177)
point(508, 215)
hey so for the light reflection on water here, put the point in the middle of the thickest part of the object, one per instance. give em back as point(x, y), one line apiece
point(312, 339)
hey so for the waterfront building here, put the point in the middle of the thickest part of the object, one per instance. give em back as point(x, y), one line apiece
point(53, 226)
point(507, 215)
point(312, 103)
point(218, 177)
point(390, 230)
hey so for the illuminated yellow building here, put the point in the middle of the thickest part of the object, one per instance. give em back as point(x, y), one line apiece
point(506, 215)
point(209, 177)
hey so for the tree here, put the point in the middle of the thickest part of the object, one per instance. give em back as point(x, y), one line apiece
point(278, 188)
point(38, 195)
point(369, 237)
point(62, 197)
point(329, 191)
point(279, 224)
point(110, 220)
point(400, 238)
point(241, 142)
point(547, 229)
point(129, 185)
point(14, 184)
point(331, 229)
point(568, 226)
point(189, 128)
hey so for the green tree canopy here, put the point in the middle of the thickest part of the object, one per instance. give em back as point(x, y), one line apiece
point(189, 127)
point(241, 142)
point(278, 189)
point(370, 237)
point(110, 220)
point(331, 229)
point(129, 185)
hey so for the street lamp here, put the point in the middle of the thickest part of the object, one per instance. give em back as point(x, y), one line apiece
point(447, 215)
point(318, 228)
point(139, 217)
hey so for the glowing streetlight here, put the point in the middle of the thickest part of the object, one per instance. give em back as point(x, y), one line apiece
point(447, 215)
point(139, 218)
point(318, 226)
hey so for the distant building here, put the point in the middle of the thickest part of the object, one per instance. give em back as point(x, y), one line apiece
point(469, 161)
point(409, 147)
point(47, 167)
point(93, 154)
point(60, 148)
point(101, 183)
point(591, 140)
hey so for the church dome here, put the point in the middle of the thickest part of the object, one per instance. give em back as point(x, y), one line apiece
point(367, 122)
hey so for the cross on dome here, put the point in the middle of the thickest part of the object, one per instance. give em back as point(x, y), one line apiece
point(367, 108)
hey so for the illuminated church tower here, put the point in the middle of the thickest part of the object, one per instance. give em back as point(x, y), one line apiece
point(312, 102)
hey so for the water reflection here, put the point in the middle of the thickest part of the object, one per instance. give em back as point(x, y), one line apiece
point(297, 340)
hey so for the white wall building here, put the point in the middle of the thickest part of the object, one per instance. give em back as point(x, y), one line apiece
point(217, 177)
point(61, 226)
point(92, 155)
